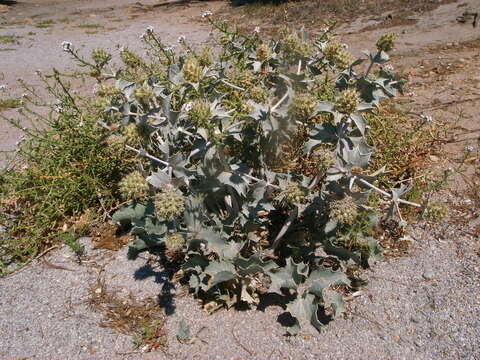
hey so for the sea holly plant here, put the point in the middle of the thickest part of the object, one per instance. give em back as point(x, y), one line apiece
point(215, 192)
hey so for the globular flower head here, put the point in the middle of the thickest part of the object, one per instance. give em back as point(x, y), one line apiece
point(144, 94)
point(263, 52)
point(386, 42)
point(326, 159)
point(336, 53)
point(200, 112)
point(348, 101)
point(205, 57)
point(175, 242)
point(192, 71)
point(133, 136)
point(130, 59)
point(100, 56)
point(344, 210)
point(241, 77)
point(169, 203)
point(295, 48)
point(303, 106)
point(133, 186)
point(295, 193)
point(108, 91)
point(116, 141)
point(258, 94)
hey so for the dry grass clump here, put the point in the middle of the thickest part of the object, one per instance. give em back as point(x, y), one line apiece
point(143, 320)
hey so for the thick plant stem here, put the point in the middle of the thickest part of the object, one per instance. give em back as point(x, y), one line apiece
point(373, 187)
point(274, 107)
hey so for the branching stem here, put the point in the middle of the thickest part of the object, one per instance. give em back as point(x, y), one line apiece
point(377, 189)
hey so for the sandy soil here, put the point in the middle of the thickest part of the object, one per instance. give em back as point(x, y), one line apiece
point(88, 24)
point(422, 306)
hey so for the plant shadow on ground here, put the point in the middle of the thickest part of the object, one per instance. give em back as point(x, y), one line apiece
point(164, 276)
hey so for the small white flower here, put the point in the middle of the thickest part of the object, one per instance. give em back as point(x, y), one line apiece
point(24, 95)
point(206, 14)
point(469, 148)
point(20, 140)
point(188, 106)
point(388, 67)
point(58, 108)
point(256, 30)
point(3, 87)
point(149, 29)
point(67, 46)
point(426, 118)
point(181, 39)
point(38, 72)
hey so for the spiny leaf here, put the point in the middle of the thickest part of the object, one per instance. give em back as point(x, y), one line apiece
point(287, 277)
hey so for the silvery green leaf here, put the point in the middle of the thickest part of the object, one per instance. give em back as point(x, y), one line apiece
point(368, 53)
point(360, 121)
point(216, 242)
point(219, 266)
point(174, 74)
point(194, 214)
point(335, 300)
point(287, 277)
point(232, 249)
point(365, 106)
point(331, 225)
point(323, 278)
point(129, 213)
point(254, 264)
point(221, 276)
point(235, 180)
point(381, 57)
point(183, 331)
point(220, 271)
point(196, 263)
point(257, 66)
point(342, 253)
point(138, 245)
point(400, 191)
point(357, 62)
point(123, 84)
point(159, 178)
point(321, 134)
point(375, 253)
point(304, 308)
point(325, 106)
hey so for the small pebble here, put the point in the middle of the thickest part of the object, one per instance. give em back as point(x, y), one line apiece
point(428, 275)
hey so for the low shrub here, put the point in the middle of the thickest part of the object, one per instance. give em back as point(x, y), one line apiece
point(254, 163)
point(221, 196)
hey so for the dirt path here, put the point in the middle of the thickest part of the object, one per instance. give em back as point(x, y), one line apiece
point(32, 31)
point(423, 306)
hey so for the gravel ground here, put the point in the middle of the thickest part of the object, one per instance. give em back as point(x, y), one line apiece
point(422, 306)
